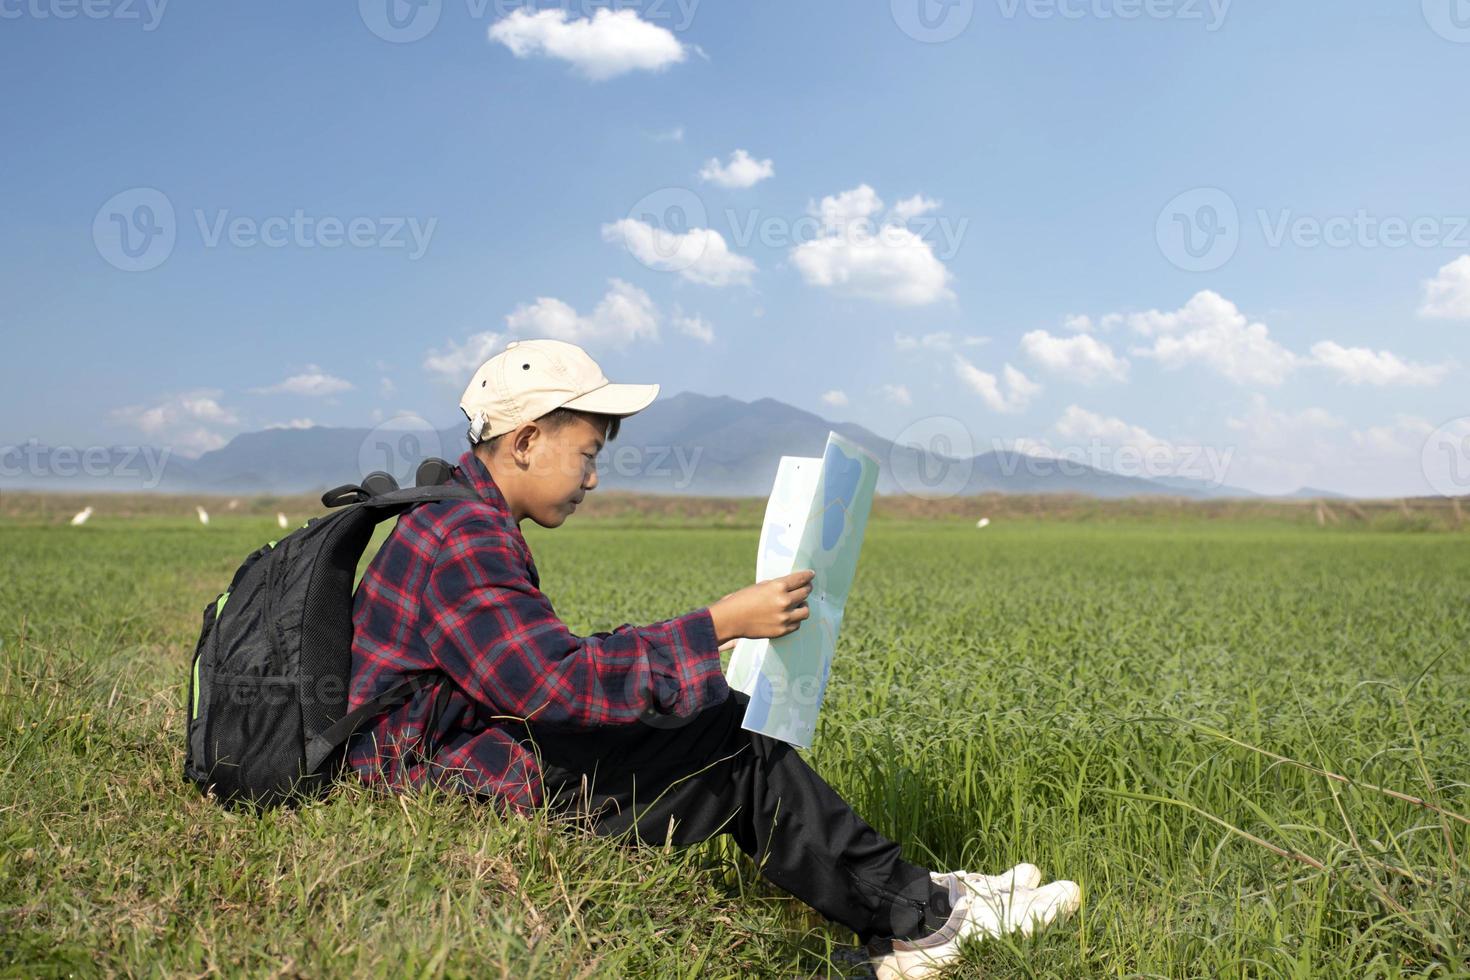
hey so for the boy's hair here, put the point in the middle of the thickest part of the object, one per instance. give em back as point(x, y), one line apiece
point(555, 419)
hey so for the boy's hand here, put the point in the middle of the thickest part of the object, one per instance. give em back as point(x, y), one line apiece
point(767, 609)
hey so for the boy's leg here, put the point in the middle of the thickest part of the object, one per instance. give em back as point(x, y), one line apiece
point(711, 776)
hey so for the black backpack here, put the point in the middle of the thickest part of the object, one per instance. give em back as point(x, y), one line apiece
point(268, 691)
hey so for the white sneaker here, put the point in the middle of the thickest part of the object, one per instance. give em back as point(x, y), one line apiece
point(984, 905)
point(1022, 876)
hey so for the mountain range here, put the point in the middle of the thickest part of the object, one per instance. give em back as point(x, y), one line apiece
point(684, 444)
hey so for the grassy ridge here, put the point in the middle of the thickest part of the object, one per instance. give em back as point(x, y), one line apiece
point(632, 510)
point(1063, 694)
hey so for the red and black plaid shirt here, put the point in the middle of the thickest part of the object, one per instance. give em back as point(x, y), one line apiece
point(454, 590)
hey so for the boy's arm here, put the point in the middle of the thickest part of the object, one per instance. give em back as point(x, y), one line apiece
point(494, 632)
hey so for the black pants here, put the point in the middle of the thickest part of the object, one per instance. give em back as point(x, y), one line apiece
point(709, 777)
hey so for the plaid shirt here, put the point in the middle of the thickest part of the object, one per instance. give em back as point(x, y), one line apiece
point(454, 590)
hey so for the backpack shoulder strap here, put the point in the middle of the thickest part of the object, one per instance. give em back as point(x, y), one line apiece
point(334, 737)
point(409, 496)
point(321, 747)
point(351, 493)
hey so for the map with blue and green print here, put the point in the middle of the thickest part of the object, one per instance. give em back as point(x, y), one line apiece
point(815, 518)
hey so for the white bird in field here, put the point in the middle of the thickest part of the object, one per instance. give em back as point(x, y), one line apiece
point(281, 519)
point(983, 522)
point(80, 517)
point(203, 516)
point(234, 504)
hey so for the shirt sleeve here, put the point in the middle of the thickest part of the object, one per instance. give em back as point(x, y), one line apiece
point(494, 632)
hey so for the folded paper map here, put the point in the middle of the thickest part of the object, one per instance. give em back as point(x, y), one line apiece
point(815, 519)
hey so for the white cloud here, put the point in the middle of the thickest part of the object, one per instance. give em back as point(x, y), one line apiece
point(386, 387)
point(941, 341)
point(625, 314)
point(457, 362)
point(607, 44)
point(835, 397)
point(1080, 357)
point(694, 326)
point(313, 382)
point(293, 424)
point(1210, 331)
point(1447, 295)
point(1078, 424)
point(1403, 439)
point(1362, 366)
point(898, 394)
point(838, 211)
point(858, 257)
point(699, 255)
point(184, 422)
point(897, 267)
point(1280, 451)
point(675, 135)
point(741, 172)
point(1009, 394)
point(912, 207)
point(1272, 427)
point(1109, 443)
point(1081, 323)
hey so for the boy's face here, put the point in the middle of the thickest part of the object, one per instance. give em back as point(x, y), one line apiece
point(554, 469)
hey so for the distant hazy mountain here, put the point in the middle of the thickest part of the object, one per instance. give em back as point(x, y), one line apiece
point(684, 444)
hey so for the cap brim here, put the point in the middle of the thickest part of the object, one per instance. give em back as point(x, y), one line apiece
point(613, 399)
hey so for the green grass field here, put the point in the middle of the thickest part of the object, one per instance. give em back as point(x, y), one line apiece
point(1141, 708)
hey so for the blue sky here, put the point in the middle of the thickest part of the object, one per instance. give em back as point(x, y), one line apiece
point(965, 218)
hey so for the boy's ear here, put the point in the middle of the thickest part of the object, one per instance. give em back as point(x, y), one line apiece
point(524, 438)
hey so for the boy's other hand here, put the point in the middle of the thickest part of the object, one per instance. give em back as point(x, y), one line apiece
point(766, 609)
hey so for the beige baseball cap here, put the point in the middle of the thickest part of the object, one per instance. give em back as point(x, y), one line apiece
point(532, 377)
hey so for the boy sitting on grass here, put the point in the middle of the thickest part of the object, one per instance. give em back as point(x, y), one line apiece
point(634, 727)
